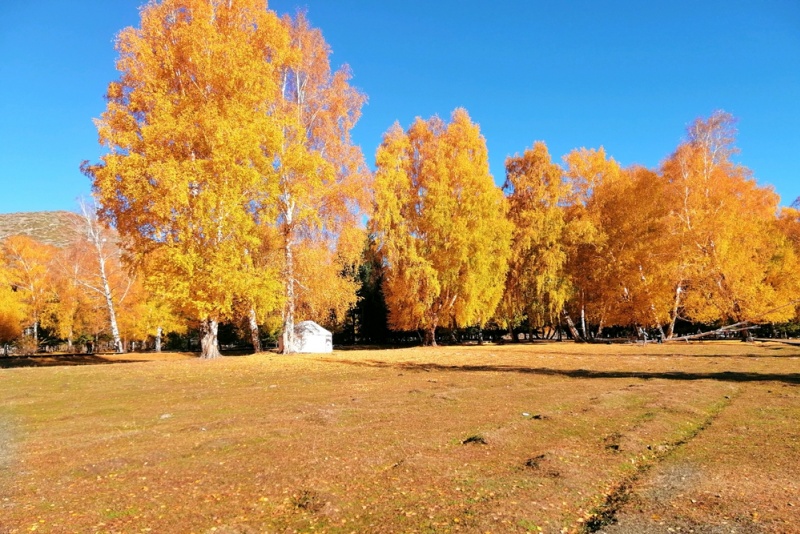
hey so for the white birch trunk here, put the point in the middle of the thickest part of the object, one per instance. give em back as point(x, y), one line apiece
point(112, 315)
point(289, 344)
point(94, 233)
point(208, 339)
point(674, 314)
point(159, 333)
point(255, 338)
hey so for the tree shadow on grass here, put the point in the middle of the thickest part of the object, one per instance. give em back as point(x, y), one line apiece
point(50, 360)
point(724, 376)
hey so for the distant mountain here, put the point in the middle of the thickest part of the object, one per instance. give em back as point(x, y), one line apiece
point(58, 228)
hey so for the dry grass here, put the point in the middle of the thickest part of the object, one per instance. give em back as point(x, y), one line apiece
point(544, 437)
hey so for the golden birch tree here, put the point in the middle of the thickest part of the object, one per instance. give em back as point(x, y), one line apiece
point(440, 226)
point(191, 141)
point(11, 310)
point(104, 273)
point(586, 170)
point(536, 285)
point(627, 278)
point(27, 263)
point(726, 224)
point(323, 185)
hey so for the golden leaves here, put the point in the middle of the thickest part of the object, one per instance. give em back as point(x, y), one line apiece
point(227, 122)
point(536, 284)
point(726, 229)
point(440, 224)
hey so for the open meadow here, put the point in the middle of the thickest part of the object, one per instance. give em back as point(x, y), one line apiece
point(556, 437)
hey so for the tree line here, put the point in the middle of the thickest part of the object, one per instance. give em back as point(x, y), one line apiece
point(81, 294)
point(238, 194)
point(695, 240)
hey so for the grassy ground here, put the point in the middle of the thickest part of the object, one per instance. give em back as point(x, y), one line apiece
point(542, 438)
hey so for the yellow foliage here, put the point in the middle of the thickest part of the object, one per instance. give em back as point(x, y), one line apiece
point(440, 225)
point(536, 285)
point(11, 309)
point(323, 183)
point(189, 134)
point(732, 258)
point(27, 270)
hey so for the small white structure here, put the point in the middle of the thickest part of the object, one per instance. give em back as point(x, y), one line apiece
point(310, 337)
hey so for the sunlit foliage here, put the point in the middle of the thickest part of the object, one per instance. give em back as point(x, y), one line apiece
point(228, 139)
point(536, 286)
point(440, 225)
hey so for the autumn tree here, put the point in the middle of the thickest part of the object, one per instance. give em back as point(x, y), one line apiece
point(191, 142)
point(104, 274)
point(27, 263)
point(440, 225)
point(730, 250)
point(157, 319)
point(227, 120)
point(789, 224)
point(789, 228)
point(67, 313)
point(586, 170)
point(11, 310)
point(627, 259)
point(146, 316)
point(323, 185)
point(536, 286)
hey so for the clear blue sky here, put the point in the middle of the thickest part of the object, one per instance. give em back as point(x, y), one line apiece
point(626, 75)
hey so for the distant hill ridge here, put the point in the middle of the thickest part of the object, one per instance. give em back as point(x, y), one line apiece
point(56, 228)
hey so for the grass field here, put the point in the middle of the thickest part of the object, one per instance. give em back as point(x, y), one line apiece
point(557, 437)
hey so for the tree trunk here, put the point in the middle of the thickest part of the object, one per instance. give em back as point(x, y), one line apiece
point(574, 331)
point(674, 314)
point(112, 316)
point(453, 332)
point(430, 336)
point(583, 317)
point(94, 234)
point(159, 333)
point(288, 318)
point(736, 327)
point(208, 339)
point(255, 338)
point(659, 326)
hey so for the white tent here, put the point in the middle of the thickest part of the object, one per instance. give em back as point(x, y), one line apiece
point(310, 337)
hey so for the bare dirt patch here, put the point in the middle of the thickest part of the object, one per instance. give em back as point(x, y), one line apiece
point(470, 439)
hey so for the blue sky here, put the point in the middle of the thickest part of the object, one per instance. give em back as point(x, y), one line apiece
point(629, 76)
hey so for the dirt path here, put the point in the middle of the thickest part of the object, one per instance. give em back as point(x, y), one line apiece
point(730, 477)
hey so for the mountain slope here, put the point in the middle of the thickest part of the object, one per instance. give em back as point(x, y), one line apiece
point(58, 228)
